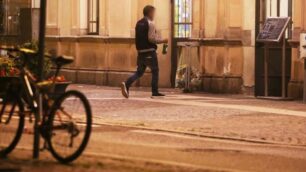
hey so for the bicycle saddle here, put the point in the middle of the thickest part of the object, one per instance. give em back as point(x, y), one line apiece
point(63, 60)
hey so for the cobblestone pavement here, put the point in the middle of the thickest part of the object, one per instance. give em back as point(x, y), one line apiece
point(181, 133)
point(235, 117)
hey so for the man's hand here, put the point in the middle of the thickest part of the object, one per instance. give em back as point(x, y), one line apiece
point(165, 41)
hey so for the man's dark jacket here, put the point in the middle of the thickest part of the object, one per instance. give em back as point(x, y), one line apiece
point(142, 36)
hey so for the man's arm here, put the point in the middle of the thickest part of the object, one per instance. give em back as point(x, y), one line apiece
point(153, 36)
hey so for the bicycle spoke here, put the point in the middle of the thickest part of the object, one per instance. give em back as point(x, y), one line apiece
point(67, 132)
point(70, 126)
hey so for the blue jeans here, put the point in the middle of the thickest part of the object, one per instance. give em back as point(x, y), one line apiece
point(145, 60)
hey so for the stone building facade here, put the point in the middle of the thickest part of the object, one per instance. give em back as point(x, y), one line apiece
point(106, 58)
point(100, 34)
point(225, 28)
point(295, 89)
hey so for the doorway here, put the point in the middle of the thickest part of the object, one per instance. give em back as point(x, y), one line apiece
point(264, 9)
point(181, 28)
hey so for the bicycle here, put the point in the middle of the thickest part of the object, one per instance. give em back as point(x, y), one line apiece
point(65, 125)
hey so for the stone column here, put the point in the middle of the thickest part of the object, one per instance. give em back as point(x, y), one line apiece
point(103, 18)
point(65, 17)
point(196, 12)
point(248, 38)
point(163, 23)
point(211, 18)
point(119, 18)
point(52, 18)
point(295, 89)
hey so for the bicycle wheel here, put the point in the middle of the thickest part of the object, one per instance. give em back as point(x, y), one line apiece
point(69, 126)
point(11, 125)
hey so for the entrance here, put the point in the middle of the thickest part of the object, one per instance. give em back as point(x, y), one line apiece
point(264, 9)
point(181, 27)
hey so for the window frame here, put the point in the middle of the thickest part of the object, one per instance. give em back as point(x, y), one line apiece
point(268, 13)
point(11, 20)
point(2, 17)
point(89, 21)
point(177, 24)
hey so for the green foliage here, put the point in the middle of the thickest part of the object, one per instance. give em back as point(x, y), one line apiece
point(33, 63)
point(7, 67)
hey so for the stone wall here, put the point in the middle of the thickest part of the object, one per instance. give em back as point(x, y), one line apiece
point(103, 61)
point(295, 89)
point(110, 57)
point(223, 27)
point(226, 30)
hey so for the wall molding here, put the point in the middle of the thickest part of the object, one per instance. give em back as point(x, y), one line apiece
point(218, 41)
point(121, 40)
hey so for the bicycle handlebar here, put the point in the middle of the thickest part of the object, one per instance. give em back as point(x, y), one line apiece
point(25, 51)
point(16, 49)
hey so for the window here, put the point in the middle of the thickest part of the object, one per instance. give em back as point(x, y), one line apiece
point(280, 8)
point(93, 17)
point(2, 17)
point(183, 18)
point(277, 8)
point(9, 17)
point(35, 3)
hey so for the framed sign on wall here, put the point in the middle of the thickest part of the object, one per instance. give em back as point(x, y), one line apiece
point(273, 29)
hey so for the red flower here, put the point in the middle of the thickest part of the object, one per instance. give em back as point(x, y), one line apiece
point(2, 73)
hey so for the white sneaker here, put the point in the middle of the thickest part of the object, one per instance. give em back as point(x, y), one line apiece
point(124, 90)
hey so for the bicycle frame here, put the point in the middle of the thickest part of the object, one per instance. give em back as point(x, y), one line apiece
point(29, 91)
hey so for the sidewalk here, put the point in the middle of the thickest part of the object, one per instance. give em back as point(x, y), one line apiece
point(226, 116)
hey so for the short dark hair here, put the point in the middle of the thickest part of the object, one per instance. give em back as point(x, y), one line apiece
point(148, 9)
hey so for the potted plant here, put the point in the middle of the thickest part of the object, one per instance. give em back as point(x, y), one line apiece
point(32, 65)
point(61, 85)
point(9, 72)
point(48, 71)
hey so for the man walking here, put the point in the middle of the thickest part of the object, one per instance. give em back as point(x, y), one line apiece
point(146, 44)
